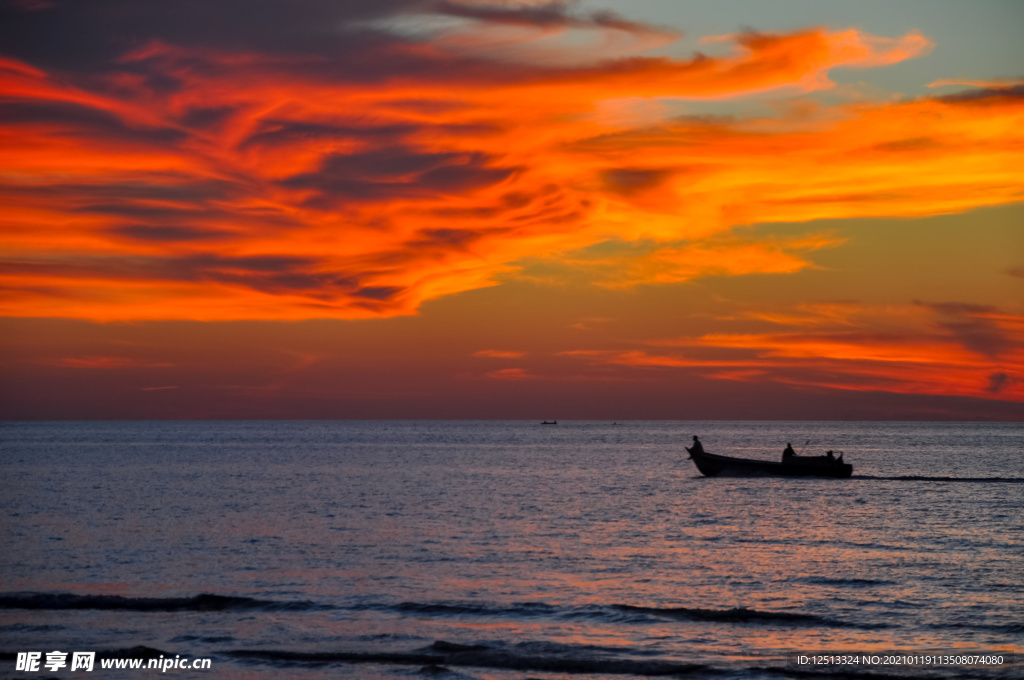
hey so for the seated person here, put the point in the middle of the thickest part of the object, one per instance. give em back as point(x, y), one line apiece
point(788, 452)
point(697, 446)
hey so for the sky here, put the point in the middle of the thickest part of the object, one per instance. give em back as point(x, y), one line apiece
point(655, 209)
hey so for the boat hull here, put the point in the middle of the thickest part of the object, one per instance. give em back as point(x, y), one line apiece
point(713, 465)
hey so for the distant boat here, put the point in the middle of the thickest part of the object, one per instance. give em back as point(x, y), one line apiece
point(550, 422)
point(712, 465)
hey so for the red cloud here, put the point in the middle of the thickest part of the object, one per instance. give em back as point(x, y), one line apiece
point(937, 349)
point(510, 374)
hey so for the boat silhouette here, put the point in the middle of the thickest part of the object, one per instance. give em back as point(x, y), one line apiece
point(714, 465)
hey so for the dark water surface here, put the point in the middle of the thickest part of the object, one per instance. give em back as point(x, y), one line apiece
point(508, 549)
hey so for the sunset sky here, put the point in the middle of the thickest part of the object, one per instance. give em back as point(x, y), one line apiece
point(497, 209)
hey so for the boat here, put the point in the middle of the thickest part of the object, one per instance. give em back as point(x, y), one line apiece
point(713, 465)
point(550, 422)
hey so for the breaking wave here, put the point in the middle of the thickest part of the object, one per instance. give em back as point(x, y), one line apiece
point(199, 603)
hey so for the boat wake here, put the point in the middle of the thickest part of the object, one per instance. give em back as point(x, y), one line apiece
point(926, 478)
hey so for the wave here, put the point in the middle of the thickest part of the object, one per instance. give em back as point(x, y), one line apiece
point(847, 582)
point(743, 615)
point(551, 657)
point(623, 613)
point(470, 609)
point(209, 639)
point(613, 613)
point(517, 657)
point(200, 603)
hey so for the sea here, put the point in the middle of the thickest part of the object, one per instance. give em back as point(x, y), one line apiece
point(499, 550)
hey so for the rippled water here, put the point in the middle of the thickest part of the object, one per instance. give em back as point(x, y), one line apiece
point(508, 549)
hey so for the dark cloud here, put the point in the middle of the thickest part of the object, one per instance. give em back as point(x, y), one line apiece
point(549, 15)
point(971, 327)
point(168, 234)
point(80, 36)
point(998, 381)
point(188, 268)
point(446, 239)
point(333, 40)
point(169, 189)
point(258, 263)
point(207, 117)
point(155, 209)
point(153, 80)
point(144, 211)
point(162, 200)
point(270, 274)
point(629, 180)
point(380, 293)
point(986, 95)
point(275, 132)
point(86, 121)
point(957, 308)
point(396, 172)
point(980, 335)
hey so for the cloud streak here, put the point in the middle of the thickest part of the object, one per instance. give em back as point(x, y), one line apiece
point(922, 349)
point(317, 162)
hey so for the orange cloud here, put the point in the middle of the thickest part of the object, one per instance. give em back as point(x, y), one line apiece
point(510, 374)
point(810, 314)
point(499, 354)
point(990, 84)
point(638, 358)
point(194, 182)
point(733, 256)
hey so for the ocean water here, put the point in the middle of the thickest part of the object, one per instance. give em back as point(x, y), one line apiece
point(499, 550)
